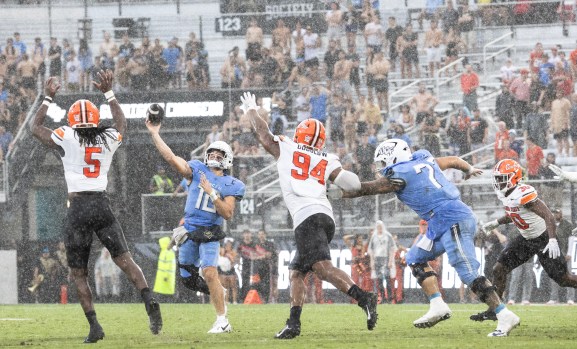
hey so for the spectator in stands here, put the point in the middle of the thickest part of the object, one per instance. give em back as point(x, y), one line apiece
point(301, 105)
point(334, 18)
point(459, 133)
point(19, 44)
point(318, 101)
point(26, 71)
point(330, 58)
point(157, 66)
point(278, 122)
point(398, 131)
point(466, 24)
point(469, 85)
point(535, 57)
point(336, 115)
point(299, 74)
point(86, 65)
point(312, 43)
point(430, 12)
point(506, 152)
point(354, 76)
point(560, 110)
point(233, 70)
point(534, 159)
point(364, 153)
point(373, 116)
point(423, 103)
point(47, 270)
point(122, 74)
point(38, 57)
point(360, 109)
point(160, 183)
point(173, 57)
point(453, 44)
point(108, 47)
point(254, 40)
point(127, 48)
point(157, 47)
point(298, 35)
point(3, 66)
point(392, 34)
point(508, 71)
point(137, 68)
point(11, 55)
point(430, 134)
point(432, 45)
point(561, 80)
point(552, 189)
point(374, 34)
point(379, 68)
point(407, 46)
point(351, 19)
point(564, 233)
point(504, 107)
point(501, 135)
point(517, 144)
point(341, 77)
point(536, 126)
point(5, 138)
point(520, 88)
point(253, 77)
point(450, 17)
point(406, 119)
point(267, 259)
point(6, 119)
point(190, 47)
point(281, 36)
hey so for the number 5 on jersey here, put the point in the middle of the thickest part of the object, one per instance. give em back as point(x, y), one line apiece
point(94, 171)
point(303, 163)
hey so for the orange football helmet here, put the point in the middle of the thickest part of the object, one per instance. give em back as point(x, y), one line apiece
point(310, 132)
point(506, 175)
point(83, 114)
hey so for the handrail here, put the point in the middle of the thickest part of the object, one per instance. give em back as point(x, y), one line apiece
point(438, 74)
point(193, 152)
point(398, 91)
point(250, 179)
point(485, 58)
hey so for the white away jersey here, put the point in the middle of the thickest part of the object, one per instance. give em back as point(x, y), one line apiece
point(530, 225)
point(86, 168)
point(303, 173)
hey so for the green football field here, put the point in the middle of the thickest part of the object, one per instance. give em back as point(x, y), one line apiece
point(323, 326)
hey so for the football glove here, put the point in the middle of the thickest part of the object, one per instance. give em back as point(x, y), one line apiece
point(569, 176)
point(334, 192)
point(248, 102)
point(489, 226)
point(553, 248)
point(179, 236)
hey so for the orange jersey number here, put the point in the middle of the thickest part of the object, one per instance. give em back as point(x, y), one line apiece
point(90, 161)
point(519, 222)
point(303, 163)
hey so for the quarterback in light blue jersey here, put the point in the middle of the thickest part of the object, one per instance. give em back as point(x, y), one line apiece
point(212, 195)
point(418, 181)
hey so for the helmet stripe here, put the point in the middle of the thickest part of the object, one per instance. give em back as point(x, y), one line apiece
point(83, 110)
point(317, 133)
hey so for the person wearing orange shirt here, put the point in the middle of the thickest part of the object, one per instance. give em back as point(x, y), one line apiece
point(469, 84)
point(534, 159)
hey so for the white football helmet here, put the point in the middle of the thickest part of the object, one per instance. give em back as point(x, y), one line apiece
point(226, 162)
point(390, 152)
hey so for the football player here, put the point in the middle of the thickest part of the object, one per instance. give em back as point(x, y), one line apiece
point(418, 181)
point(568, 176)
point(536, 225)
point(86, 149)
point(304, 170)
point(212, 195)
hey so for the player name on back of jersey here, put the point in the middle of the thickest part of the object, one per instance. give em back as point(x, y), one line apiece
point(312, 150)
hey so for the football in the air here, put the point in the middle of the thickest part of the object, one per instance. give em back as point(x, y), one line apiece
point(155, 113)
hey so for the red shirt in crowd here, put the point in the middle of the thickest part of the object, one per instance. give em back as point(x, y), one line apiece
point(469, 82)
point(534, 159)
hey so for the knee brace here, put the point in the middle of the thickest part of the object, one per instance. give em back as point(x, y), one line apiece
point(482, 288)
point(420, 273)
point(194, 282)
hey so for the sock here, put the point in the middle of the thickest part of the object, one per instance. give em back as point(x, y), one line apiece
point(146, 295)
point(296, 313)
point(500, 307)
point(91, 317)
point(434, 295)
point(220, 318)
point(355, 292)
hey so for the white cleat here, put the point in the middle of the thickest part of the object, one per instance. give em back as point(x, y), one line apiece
point(507, 321)
point(433, 317)
point(221, 327)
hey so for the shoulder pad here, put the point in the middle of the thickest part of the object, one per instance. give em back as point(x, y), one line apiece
point(523, 194)
point(421, 154)
point(390, 175)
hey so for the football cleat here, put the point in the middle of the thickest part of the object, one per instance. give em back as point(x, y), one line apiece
point(484, 315)
point(369, 305)
point(222, 326)
point(96, 333)
point(433, 317)
point(507, 322)
point(154, 316)
point(291, 330)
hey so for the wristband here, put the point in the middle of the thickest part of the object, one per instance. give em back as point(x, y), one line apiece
point(46, 103)
point(48, 98)
point(108, 95)
point(213, 195)
point(111, 99)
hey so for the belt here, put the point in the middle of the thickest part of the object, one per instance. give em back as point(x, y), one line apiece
point(85, 193)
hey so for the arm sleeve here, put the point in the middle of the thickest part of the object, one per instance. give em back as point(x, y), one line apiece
point(348, 181)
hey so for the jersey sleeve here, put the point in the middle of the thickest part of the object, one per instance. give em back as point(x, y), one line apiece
point(236, 188)
point(333, 163)
point(58, 135)
point(526, 194)
point(421, 154)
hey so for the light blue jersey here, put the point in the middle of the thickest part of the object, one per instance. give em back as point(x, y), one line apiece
point(429, 193)
point(199, 210)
